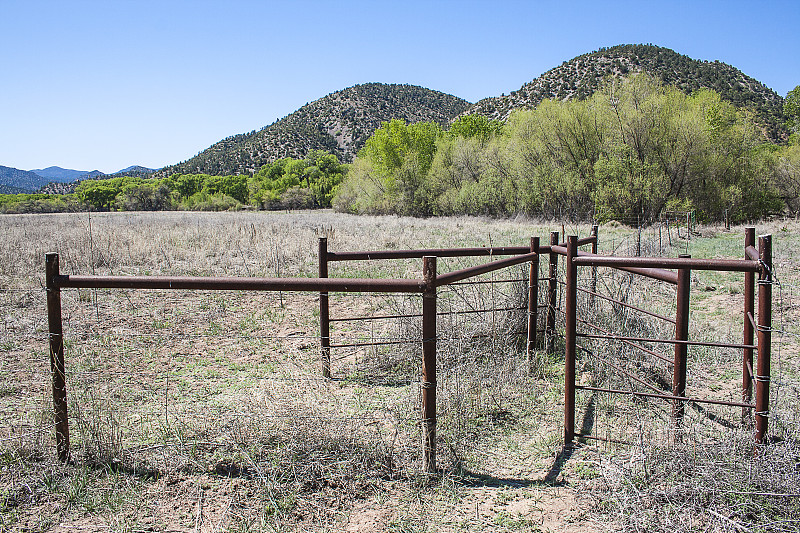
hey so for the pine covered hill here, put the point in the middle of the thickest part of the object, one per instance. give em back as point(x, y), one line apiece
point(339, 123)
point(582, 76)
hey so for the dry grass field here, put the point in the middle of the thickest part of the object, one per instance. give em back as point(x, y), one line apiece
point(206, 411)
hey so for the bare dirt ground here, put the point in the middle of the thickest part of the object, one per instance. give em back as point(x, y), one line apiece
point(202, 411)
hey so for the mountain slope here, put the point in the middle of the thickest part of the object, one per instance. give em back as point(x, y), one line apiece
point(582, 76)
point(339, 123)
point(60, 175)
point(21, 180)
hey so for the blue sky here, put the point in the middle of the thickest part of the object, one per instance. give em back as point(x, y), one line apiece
point(107, 84)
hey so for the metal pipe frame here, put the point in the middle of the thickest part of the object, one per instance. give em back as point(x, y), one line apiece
point(571, 304)
point(56, 336)
point(762, 377)
point(431, 252)
point(240, 284)
point(533, 304)
point(429, 366)
point(324, 311)
point(681, 349)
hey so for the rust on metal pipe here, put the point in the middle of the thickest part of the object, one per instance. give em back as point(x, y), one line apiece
point(571, 303)
point(748, 333)
point(751, 252)
point(552, 292)
point(324, 311)
point(244, 284)
point(433, 252)
point(681, 334)
point(594, 269)
point(458, 275)
point(762, 376)
point(56, 335)
point(683, 261)
point(429, 365)
point(586, 259)
point(533, 301)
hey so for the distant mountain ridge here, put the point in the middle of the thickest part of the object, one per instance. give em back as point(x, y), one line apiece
point(581, 76)
point(15, 180)
point(56, 180)
point(340, 123)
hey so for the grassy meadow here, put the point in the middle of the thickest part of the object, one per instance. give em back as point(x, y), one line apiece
point(206, 411)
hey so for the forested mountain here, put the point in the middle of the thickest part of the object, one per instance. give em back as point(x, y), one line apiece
point(14, 180)
point(339, 123)
point(580, 77)
point(65, 175)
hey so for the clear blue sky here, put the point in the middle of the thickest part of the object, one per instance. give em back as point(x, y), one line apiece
point(107, 84)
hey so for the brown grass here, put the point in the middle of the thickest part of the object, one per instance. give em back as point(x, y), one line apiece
point(205, 411)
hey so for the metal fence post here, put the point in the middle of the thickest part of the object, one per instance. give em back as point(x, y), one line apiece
point(571, 305)
point(594, 269)
point(681, 334)
point(324, 311)
point(57, 357)
point(762, 376)
point(749, 316)
point(552, 293)
point(533, 304)
point(429, 365)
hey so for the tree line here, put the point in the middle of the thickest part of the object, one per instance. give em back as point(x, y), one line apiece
point(283, 184)
point(632, 150)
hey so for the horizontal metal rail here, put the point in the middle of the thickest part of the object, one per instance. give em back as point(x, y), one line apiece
point(418, 254)
point(666, 397)
point(459, 275)
point(751, 252)
point(582, 241)
point(722, 265)
point(668, 341)
point(489, 282)
point(246, 284)
point(651, 271)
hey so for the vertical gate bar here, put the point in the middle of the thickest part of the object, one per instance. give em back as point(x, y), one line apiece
point(749, 311)
point(533, 303)
point(762, 376)
point(551, 293)
point(324, 311)
point(429, 365)
point(571, 305)
point(57, 357)
point(681, 334)
point(594, 269)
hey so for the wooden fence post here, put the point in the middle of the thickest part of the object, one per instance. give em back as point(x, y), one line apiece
point(57, 357)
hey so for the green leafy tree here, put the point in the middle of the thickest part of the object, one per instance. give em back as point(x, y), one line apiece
point(791, 109)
